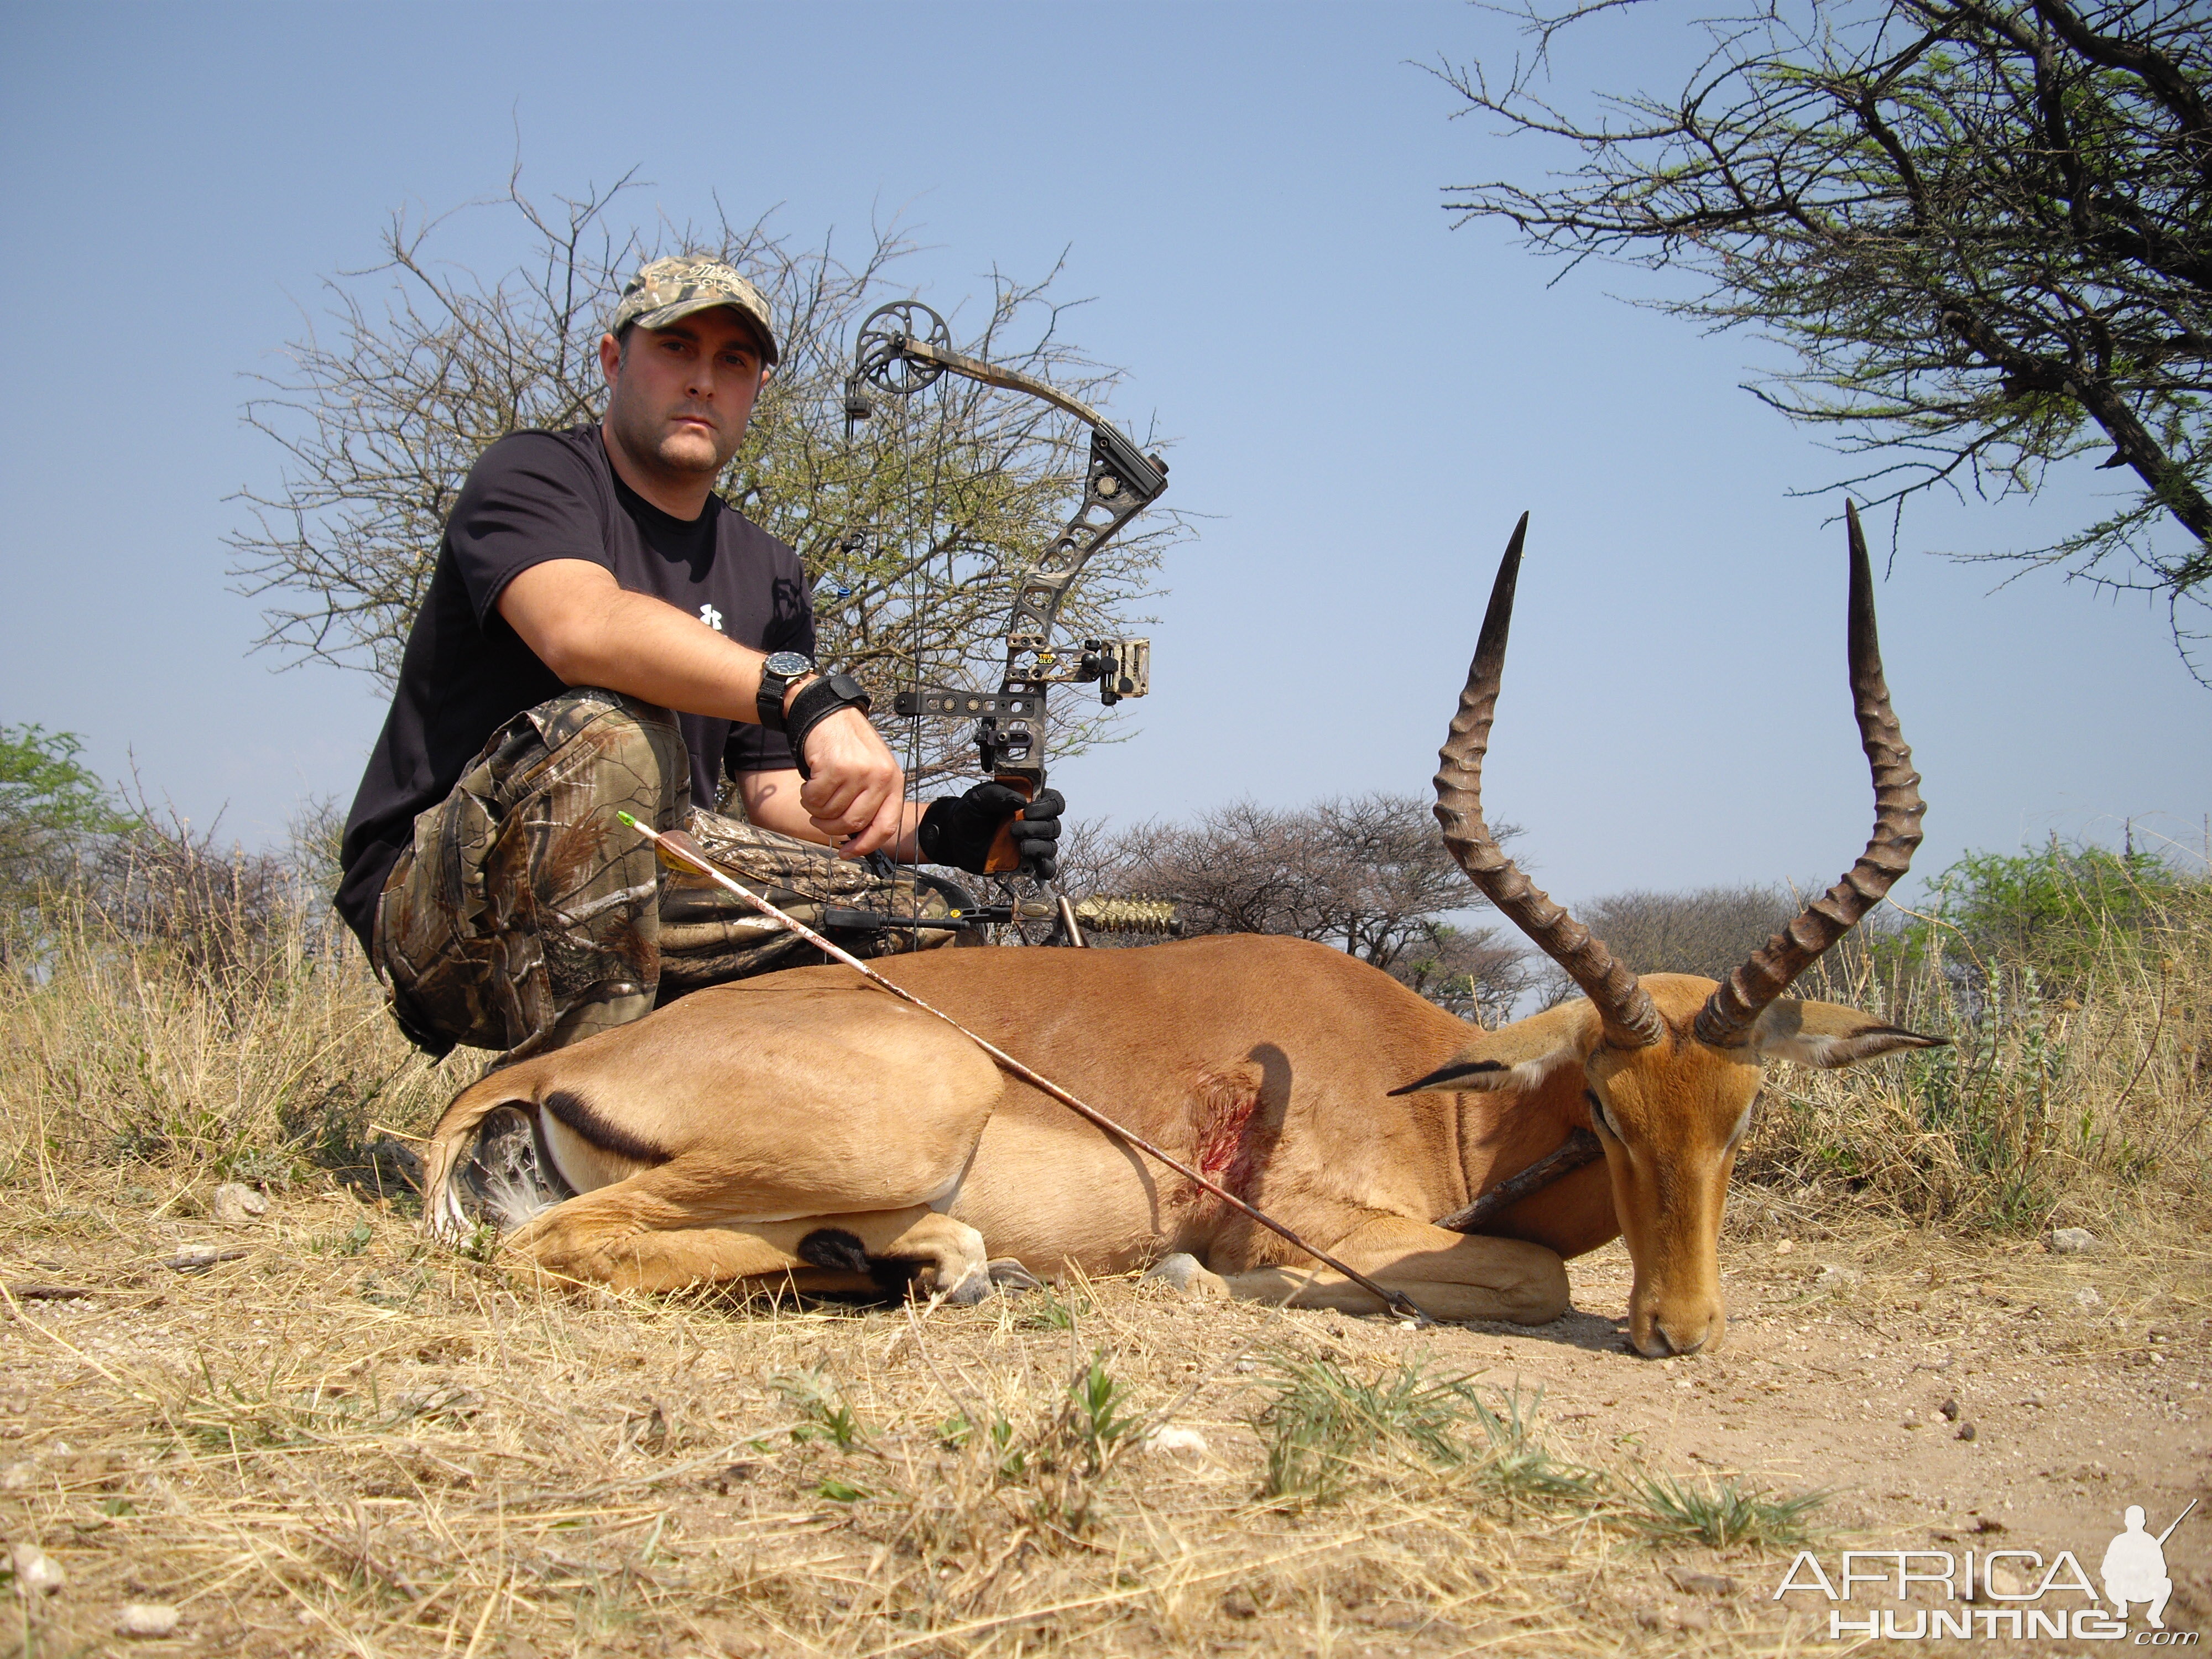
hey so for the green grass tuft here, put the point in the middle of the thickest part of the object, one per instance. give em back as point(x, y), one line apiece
point(1721, 1513)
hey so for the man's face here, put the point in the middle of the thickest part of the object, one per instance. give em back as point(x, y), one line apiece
point(682, 395)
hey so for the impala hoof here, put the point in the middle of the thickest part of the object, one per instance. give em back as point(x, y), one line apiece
point(1010, 1277)
point(506, 1184)
point(974, 1288)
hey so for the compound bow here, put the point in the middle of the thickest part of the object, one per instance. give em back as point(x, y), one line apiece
point(906, 346)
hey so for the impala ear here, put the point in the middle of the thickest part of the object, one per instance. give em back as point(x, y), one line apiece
point(1828, 1036)
point(1518, 1057)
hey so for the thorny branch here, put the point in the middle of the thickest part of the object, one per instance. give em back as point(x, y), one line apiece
point(1983, 226)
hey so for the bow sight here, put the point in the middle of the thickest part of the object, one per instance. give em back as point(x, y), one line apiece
point(905, 347)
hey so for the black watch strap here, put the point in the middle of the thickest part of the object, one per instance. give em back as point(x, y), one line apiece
point(815, 703)
point(777, 673)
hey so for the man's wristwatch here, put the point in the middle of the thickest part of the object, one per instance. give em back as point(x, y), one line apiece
point(776, 676)
point(815, 703)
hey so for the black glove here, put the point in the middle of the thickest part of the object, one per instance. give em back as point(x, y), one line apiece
point(959, 829)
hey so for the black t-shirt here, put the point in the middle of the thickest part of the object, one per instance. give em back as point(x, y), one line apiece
point(534, 496)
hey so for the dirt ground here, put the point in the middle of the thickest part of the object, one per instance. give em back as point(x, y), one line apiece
point(329, 1440)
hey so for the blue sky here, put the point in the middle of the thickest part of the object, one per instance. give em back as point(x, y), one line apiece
point(1362, 399)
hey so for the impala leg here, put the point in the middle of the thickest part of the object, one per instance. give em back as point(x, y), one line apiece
point(1452, 1276)
point(636, 1236)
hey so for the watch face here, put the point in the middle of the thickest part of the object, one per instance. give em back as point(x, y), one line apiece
point(787, 663)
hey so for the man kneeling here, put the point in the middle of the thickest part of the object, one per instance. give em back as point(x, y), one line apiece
point(603, 634)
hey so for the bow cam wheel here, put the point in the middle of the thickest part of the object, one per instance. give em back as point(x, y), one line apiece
point(878, 358)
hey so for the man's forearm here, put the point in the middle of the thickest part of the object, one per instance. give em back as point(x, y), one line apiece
point(645, 647)
point(590, 632)
point(771, 802)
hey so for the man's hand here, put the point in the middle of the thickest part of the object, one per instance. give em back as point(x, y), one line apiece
point(959, 829)
point(857, 796)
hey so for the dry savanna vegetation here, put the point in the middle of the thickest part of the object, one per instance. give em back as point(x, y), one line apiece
point(239, 1392)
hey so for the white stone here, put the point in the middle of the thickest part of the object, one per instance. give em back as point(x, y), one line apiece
point(1167, 1439)
point(36, 1570)
point(147, 1618)
point(2072, 1241)
point(235, 1204)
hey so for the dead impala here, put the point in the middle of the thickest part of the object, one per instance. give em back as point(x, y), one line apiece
point(806, 1125)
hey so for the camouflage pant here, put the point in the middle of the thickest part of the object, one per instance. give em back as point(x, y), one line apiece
point(526, 917)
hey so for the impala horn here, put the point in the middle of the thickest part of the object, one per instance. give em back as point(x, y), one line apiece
point(1630, 1020)
point(1726, 1019)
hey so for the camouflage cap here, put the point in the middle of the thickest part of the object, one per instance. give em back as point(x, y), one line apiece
point(675, 287)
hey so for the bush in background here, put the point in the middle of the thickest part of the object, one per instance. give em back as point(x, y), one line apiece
point(167, 1001)
point(2076, 986)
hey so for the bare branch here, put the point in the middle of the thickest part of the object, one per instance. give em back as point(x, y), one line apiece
point(1982, 226)
point(913, 528)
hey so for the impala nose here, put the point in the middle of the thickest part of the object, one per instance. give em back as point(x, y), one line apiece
point(1692, 1334)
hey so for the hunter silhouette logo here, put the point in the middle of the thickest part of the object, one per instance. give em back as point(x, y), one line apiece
point(2007, 1594)
point(711, 616)
point(2134, 1568)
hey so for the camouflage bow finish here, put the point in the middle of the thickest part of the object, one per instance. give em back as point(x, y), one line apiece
point(896, 355)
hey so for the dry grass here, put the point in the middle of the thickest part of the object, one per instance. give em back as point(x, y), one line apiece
point(2090, 1103)
point(336, 1441)
point(264, 1061)
point(339, 1442)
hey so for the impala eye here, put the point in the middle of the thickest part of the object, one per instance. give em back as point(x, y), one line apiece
point(1605, 1118)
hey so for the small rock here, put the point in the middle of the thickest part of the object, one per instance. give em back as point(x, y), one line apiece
point(1244, 1365)
point(36, 1570)
point(235, 1204)
point(1830, 1277)
point(1950, 1410)
point(1702, 1584)
point(1966, 1430)
point(1167, 1439)
point(727, 1479)
point(1913, 1419)
point(2072, 1241)
point(147, 1618)
point(1785, 1247)
point(1648, 1618)
point(19, 1476)
point(1693, 1618)
point(2087, 1296)
point(1236, 1604)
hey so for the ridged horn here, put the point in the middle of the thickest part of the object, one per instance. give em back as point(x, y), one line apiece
point(1630, 1020)
point(1726, 1019)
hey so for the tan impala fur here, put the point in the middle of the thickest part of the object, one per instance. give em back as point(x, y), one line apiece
point(808, 1126)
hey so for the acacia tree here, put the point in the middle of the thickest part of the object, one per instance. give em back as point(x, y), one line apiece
point(913, 526)
point(1367, 873)
point(1983, 228)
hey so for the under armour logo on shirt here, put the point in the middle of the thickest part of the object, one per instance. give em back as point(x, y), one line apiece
point(711, 616)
